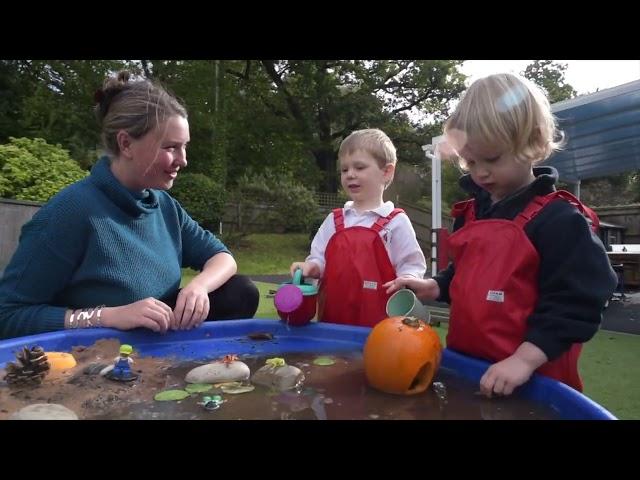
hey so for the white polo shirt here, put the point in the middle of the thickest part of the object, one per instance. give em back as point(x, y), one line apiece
point(398, 236)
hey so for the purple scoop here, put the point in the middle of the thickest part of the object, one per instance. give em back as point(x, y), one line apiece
point(288, 298)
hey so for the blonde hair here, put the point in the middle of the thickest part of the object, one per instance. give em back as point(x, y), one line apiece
point(373, 141)
point(136, 107)
point(507, 111)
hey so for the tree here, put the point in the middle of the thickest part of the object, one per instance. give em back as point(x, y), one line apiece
point(322, 101)
point(12, 91)
point(196, 86)
point(53, 100)
point(550, 76)
point(271, 116)
point(233, 128)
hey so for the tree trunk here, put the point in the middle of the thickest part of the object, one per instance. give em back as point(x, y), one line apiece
point(146, 69)
point(327, 162)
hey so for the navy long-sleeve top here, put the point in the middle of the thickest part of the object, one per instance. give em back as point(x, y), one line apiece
point(575, 277)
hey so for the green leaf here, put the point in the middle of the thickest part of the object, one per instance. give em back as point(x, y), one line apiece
point(198, 387)
point(171, 395)
point(324, 361)
point(238, 389)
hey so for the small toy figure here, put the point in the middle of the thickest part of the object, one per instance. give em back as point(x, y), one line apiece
point(275, 362)
point(212, 403)
point(122, 368)
point(229, 359)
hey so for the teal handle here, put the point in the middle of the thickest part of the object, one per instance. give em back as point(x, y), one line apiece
point(297, 277)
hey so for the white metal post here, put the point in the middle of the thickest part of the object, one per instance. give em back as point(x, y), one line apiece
point(431, 151)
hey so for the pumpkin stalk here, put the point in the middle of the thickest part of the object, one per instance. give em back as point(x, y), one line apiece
point(413, 322)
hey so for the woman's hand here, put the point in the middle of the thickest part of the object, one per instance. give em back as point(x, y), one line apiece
point(424, 288)
point(192, 307)
point(149, 313)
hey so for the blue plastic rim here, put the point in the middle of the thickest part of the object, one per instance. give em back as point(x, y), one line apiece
point(213, 339)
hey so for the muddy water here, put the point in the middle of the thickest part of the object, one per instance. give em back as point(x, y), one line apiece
point(334, 392)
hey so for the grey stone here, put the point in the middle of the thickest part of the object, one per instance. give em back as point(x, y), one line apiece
point(281, 378)
point(44, 411)
point(219, 372)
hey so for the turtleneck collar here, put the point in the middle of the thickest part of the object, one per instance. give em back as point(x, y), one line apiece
point(134, 203)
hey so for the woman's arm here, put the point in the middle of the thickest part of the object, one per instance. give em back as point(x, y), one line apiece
point(31, 281)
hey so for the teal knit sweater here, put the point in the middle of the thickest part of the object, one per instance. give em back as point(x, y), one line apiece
point(96, 243)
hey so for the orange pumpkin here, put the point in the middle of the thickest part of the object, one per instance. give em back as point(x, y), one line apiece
point(402, 355)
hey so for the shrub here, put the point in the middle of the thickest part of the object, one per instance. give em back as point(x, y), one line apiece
point(284, 202)
point(201, 197)
point(31, 169)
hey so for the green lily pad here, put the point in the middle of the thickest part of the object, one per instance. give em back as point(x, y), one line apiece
point(238, 389)
point(198, 387)
point(227, 384)
point(324, 361)
point(171, 395)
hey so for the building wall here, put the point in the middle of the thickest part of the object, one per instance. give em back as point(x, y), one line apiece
point(625, 215)
point(13, 215)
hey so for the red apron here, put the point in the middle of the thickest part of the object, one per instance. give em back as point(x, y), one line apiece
point(357, 265)
point(495, 286)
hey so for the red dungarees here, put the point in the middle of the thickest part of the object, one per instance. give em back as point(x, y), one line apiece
point(357, 265)
point(495, 286)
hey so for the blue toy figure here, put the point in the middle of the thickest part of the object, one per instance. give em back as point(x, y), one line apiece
point(122, 368)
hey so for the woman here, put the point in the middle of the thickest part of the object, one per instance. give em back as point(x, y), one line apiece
point(108, 250)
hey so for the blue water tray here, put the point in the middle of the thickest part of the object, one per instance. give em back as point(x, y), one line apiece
point(213, 339)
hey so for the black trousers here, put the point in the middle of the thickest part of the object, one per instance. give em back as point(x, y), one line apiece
point(237, 298)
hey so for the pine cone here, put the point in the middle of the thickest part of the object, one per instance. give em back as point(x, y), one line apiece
point(30, 368)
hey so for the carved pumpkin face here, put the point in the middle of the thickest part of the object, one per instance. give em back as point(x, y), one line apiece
point(402, 355)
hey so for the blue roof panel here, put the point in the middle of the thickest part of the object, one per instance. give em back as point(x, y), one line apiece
point(602, 133)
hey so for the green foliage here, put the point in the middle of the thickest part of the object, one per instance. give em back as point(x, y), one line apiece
point(320, 102)
point(31, 169)
point(201, 197)
point(53, 100)
point(451, 190)
point(621, 189)
point(314, 227)
point(550, 76)
point(281, 116)
point(288, 204)
point(199, 86)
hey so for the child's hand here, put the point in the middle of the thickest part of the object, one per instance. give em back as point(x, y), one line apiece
point(503, 377)
point(309, 269)
point(424, 288)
